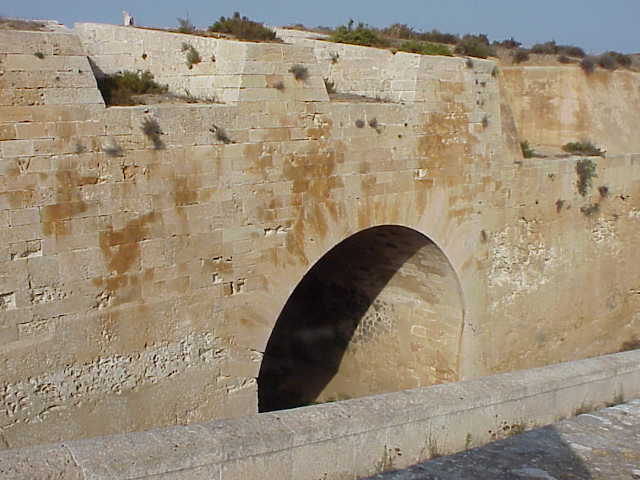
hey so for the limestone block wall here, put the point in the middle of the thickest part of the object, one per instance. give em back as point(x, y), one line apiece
point(229, 72)
point(44, 68)
point(289, 35)
point(557, 105)
point(141, 278)
point(571, 256)
point(398, 77)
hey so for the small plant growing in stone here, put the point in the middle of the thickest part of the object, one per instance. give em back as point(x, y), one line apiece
point(424, 48)
point(547, 48)
point(192, 55)
point(621, 59)
point(510, 43)
point(603, 190)
point(588, 64)
point(361, 34)
point(79, 148)
point(279, 86)
point(607, 62)
point(583, 147)
point(632, 344)
point(469, 63)
point(475, 46)
point(485, 122)
point(360, 123)
point(185, 26)
point(559, 205)
point(618, 399)
point(590, 209)
point(151, 128)
point(552, 48)
point(571, 51)
point(300, 72)
point(144, 56)
point(586, 171)
point(582, 409)
point(118, 88)
point(335, 56)
point(373, 123)
point(112, 149)
point(243, 28)
point(517, 429)
point(330, 86)
point(220, 134)
point(17, 24)
point(39, 55)
point(564, 59)
point(520, 55)
point(527, 151)
point(188, 97)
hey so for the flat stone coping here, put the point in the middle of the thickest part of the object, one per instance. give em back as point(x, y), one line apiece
point(350, 439)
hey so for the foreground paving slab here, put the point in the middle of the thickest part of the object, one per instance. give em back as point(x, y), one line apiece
point(595, 446)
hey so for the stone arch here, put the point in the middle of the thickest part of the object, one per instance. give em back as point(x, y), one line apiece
point(381, 311)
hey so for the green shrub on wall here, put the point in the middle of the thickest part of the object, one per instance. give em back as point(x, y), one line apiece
point(583, 147)
point(243, 28)
point(527, 151)
point(424, 48)
point(586, 171)
point(117, 89)
point(185, 26)
point(475, 46)
point(192, 55)
point(360, 35)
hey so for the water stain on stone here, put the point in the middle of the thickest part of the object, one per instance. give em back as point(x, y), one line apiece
point(321, 129)
point(601, 77)
point(19, 198)
point(312, 174)
point(445, 145)
point(55, 218)
point(364, 167)
point(295, 241)
point(261, 157)
point(121, 248)
point(184, 194)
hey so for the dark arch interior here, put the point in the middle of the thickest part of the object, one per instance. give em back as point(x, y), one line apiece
point(354, 300)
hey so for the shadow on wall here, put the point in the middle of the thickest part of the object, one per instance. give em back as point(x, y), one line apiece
point(540, 453)
point(348, 321)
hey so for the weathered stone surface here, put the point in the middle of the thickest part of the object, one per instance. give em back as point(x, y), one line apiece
point(42, 463)
point(141, 279)
point(600, 445)
point(365, 436)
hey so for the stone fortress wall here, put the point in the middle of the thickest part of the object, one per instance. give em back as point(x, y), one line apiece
point(140, 281)
point(363, 437)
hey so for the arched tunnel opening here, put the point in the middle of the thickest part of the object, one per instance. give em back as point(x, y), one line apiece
point(380, 312)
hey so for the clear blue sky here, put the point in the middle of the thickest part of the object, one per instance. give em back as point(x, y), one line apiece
point(595, 25)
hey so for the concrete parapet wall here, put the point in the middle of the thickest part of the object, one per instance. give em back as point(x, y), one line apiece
point(345, 440)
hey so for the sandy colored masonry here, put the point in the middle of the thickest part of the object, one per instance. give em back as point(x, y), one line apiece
point(141, 279)
point(346, 440)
